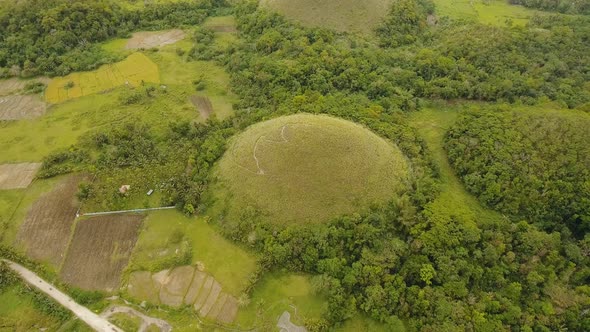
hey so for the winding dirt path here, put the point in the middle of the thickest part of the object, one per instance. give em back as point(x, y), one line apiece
point(93, 320)
point(146, 321)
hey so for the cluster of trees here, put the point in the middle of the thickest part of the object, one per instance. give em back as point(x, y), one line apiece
point(531, 166)
point(57, 37)
point(545, 60)
point(562, 6)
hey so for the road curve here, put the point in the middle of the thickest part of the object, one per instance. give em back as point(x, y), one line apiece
point(93, 320)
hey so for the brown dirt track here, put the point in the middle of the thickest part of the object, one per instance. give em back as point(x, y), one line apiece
point(150, 39)
point(17, 176)
point(100, 250)
point(203, 105)
point(21, 107)
point(47, 228)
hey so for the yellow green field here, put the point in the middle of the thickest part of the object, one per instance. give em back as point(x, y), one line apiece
point(134, 70)
point(494, 12)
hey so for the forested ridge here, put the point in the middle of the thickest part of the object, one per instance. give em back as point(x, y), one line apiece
point(407, 264)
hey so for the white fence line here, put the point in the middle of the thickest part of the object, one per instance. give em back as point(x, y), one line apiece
point(123, 211)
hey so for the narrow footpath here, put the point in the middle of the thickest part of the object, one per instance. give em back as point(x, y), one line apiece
point(93, 320)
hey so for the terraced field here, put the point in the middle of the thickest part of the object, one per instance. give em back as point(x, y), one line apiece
point(132, 71)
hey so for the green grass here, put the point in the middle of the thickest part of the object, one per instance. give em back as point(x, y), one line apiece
point(277, 293)
point(18, 313)
point(340, 15)
point(307, 168)
point(228, 263)
point(454, 202)
point(494, 12)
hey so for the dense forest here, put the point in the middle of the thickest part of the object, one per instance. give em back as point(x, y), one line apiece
point(569, 7)
point(403, 263)
point(57, 37)
point(532, 166)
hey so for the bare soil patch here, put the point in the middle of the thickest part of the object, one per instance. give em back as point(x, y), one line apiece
point(100, 250)
point(195, 288)
point(15, 85)
point(21, 107)
point(176, 285)
point(216, 309)
point(17, 176)
point(211, 299)
point(47, 228)
point(203, 105)
point(149, 39)
point(141, 287)
point(229, 311)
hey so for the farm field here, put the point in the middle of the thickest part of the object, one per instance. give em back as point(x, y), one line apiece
point(99, 251)
point(494, 12)
point(21, 107)
point(46, 230)
point(134, 70)
point(340, 15)
point(167, 236)
point(307, 168)
point(17, 176)
point(149, 39)
point(13, 86)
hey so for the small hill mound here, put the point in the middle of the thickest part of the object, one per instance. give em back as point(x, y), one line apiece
point(339, 15)
point(307, 168)
point(531, 165)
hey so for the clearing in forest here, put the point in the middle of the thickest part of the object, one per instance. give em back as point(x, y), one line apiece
point(150, 39)
point(17, 176)
point(18, 107)
point(493, 12)
point(308, 168)
point(203, 105)
point(99, 251)
point(134, 70)
point(340, 15)
point(48, 225)
point(185, 285)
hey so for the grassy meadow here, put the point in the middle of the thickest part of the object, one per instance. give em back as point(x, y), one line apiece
point(308, 168)
point(493, 12)
point(18, 313)
point(163, 234)
point(277, 293)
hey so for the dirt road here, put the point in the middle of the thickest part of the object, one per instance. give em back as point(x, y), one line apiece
point(93, 320)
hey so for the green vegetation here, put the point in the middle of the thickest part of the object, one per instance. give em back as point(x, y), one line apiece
point(570, 7)
point(307, 168)
point(170, 239)
point(340, 15)
point(429, 258)
point(493, 12)
point(277, 293)
point(531, 165)
point(58, 35)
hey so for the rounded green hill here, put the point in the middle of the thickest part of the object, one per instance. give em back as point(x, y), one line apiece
point(307, 168)
point(339, 15)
